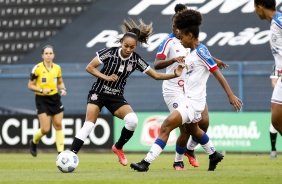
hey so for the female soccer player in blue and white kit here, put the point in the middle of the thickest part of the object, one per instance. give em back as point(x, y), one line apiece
point(199, 64)
point(266, 9)
point(273, 132)
point(169, 54)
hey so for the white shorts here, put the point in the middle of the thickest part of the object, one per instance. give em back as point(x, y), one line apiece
point(173, 102)
point(191, 110)
point(277, 93)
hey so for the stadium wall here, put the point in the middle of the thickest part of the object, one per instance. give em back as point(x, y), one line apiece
point(231, 132)
point(231, 30)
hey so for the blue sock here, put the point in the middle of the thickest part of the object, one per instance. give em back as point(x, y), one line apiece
point(204, 139)
point(180, 150)
point(160, 142)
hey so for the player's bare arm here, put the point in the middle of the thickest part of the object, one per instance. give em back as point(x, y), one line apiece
point(234, 100)
point(161, 63)
point(162, 76)
point(220, 63)
point(92, 69)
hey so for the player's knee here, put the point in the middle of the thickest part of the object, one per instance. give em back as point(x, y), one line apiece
point(45, 131)
point(58, 126)
point(204, 124)
point(131, 121)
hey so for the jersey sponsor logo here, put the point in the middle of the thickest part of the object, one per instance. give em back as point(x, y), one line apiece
point(121, 68)
point(109, 90)
point(189, 68)
point(189, 72)
point(204, 53)
point(129, 67)
point(142, 64)
point(105, 56)
point(181, 83)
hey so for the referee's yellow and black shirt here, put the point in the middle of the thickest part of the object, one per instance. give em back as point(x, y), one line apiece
point(45, 78)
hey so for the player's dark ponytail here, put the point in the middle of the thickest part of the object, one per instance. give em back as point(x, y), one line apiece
point(140, 32)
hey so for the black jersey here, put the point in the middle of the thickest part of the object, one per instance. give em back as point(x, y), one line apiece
point(114, 63)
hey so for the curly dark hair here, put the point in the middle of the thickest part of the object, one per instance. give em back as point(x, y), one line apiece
point(140, 32)
point(188, 21)
point(178, 7)
point(268, 4)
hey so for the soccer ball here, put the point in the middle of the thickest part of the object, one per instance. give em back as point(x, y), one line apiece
point(67, 161)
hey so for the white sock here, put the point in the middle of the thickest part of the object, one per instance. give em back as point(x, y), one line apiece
point(192, 144)
point(272, 129)
point(209, 148)
point(154, 152)
point(178, 157)
point(85, 130)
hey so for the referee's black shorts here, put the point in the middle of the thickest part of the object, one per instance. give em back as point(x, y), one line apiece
point(111, 102)
point(51, 105)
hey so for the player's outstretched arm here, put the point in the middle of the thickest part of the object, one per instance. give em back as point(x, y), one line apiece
point(163, 76)
point(234, 100)
point(161, 63)
point(220, 63)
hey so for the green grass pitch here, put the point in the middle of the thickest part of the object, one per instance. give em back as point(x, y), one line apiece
point(104, 168)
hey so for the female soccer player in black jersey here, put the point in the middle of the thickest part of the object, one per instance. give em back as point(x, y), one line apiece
point(107, 90)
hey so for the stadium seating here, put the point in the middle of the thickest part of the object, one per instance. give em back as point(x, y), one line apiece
point(26, 23)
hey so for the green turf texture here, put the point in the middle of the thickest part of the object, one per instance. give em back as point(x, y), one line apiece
point(105, 168)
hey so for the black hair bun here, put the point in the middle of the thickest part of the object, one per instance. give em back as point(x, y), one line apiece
point(179, 7)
